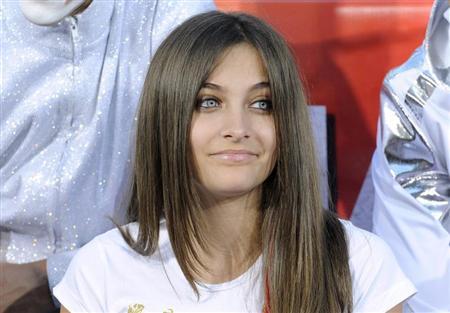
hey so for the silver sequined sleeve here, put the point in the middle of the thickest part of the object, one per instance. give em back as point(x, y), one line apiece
point(411, 180)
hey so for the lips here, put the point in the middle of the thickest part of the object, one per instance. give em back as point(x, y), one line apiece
point(235, 155)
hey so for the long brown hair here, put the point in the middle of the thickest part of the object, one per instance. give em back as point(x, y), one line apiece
point(304, 247)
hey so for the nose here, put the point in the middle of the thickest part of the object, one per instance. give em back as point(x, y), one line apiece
point(236, 125)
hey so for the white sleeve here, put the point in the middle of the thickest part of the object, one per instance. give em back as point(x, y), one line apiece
point(417, 239)
point(81, 288)
point(170, 14)
point(378, 282)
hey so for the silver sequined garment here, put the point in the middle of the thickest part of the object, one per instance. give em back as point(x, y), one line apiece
point(69, 95)
point(410, 170)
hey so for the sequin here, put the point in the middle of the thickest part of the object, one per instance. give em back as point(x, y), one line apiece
point(69, 99)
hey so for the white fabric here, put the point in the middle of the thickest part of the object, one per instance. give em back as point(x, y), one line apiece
point(442, 40)
point(420, 243)
point(107, 276)
point(418, 240)
point(447, 17)
point(447, 47)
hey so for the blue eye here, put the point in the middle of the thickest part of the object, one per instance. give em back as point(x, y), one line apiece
point(265, 105)
point(208, 103)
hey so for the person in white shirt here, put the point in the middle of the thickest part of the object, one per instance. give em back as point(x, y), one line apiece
point(407, 194)
point(226, 199)
point(72, 72)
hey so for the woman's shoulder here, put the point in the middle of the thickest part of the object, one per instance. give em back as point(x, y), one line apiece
point(106, 248)
point(101, 263)
point(113, 239)
point(363, 243)
point(366, 250)
point(378, 281)
point(113, 244)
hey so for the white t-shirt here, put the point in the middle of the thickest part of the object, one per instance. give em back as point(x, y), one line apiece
point(106, 275)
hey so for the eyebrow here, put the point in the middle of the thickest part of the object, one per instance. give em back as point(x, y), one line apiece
point(260, 85)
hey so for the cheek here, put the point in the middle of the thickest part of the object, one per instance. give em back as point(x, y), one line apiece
point(273, 152)
point(273, 142)
point(200, 134)
point(270, 136)
point(195, 138)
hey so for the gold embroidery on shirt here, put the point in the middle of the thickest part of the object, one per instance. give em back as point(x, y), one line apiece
point(168, 311)
point(135, 308)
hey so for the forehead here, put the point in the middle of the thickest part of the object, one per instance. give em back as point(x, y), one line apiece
point(239, 64)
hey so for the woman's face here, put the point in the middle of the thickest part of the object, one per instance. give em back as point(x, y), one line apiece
point(233, 134)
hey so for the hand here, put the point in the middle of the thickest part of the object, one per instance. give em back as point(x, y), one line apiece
point(24, 288)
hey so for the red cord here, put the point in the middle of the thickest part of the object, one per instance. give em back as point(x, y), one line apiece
point(266, 307)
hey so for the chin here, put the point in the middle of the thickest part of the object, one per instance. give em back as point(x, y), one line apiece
point(233, 189)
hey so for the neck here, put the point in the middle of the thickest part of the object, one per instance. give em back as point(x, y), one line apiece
point(233, 237)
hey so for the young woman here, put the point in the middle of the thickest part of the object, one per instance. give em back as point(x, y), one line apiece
point(226, 200)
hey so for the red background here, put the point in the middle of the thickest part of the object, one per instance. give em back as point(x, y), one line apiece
point(344, 49)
